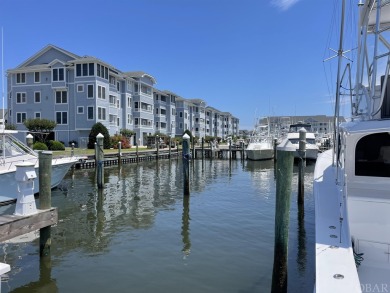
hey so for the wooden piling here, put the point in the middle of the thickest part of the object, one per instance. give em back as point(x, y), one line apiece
point(186, 164)
point(275, 152)
point(99, 160)
point(72, 151)
point(193, 147)
point(301, 165)
point(282, 212)
point(158, 147)
point(230, 149)
point(119, 153)
point(170, 142)
point(45, 170)
point(202, 148)
point(136, 151)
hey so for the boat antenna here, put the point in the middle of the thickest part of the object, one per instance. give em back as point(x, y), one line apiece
point(340, 55)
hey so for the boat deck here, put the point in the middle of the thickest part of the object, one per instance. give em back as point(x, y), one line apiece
point(335, 265)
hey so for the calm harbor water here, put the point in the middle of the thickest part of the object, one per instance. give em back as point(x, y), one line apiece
point(140, 235)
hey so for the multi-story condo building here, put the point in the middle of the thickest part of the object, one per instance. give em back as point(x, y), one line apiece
point(143, 105)
point(199, 114)
point(165, 112)
point(78, 91)
point(183, 116)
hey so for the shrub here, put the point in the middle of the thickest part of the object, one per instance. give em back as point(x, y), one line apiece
point(56, 145)
point(40, 146)
point(95, 130)
point(120, 138)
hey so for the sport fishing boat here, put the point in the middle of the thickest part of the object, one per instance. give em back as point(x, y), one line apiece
point(261, 145)
point(292, 137)
point(352, 180)
point(12, 152)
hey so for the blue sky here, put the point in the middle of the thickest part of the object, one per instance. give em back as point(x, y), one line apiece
point(247, 57)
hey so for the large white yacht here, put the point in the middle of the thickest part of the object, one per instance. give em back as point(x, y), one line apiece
point(12, 152)
point(352, 180)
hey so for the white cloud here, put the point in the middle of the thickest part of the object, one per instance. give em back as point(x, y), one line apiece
point(284, 4)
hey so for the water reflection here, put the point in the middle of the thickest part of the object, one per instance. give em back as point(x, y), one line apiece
point(140, 227)
point(185, 232)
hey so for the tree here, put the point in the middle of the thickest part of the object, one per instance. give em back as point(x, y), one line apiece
point(95, 130)
point(126, 132)
point(40, 128)
point(10, 127)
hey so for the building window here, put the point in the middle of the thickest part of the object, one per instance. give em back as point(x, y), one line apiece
point(101, 92)
point(20, 77)
point(58, 74)
point(37, 115)
point(129, 119)
point(90, 93)
point(80, 110)
point(87, 69)
point(101, 113)
point(37, 77)
point(181, 125)
point(128, 102)
point(80, 88)
point(20, 117)
point(20, 98)
point(61, 97)
point(37, 97)
point(90, 113)
point(102, 71)
point(62, 117)
point(91, 69)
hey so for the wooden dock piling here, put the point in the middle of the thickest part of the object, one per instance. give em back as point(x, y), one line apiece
point(99, 160)
point(282, 213)
point(45, 170)
point(301, 165)
point(186, 163)
point(119, 153)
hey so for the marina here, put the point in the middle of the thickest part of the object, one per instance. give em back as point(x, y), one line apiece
point(140, 233)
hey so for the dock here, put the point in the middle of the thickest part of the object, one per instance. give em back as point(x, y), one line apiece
point(12, 225)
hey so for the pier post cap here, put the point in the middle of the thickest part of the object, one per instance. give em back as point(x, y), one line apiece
point(99, 135)
point(303, 129)
point(186, 136)
point(286, 146)
point(25, 171)
point(29, 136)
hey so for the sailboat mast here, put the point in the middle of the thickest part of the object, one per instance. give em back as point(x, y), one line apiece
point(338, 86)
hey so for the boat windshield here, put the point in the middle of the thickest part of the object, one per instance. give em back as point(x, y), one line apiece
point(298, 126)
point(11, 147)
point(308, 140)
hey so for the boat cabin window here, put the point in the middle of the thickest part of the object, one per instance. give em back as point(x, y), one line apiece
point(298, 126)
point(372, 155)
point(308, 140)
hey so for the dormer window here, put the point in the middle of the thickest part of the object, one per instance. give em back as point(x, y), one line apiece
point(58, 74)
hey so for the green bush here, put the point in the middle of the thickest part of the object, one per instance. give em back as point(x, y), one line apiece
point(56, 145)
point(40, 146)
point(95, 130)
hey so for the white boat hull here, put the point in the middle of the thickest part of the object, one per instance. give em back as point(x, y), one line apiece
point(8, 191)
point(261, 154)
